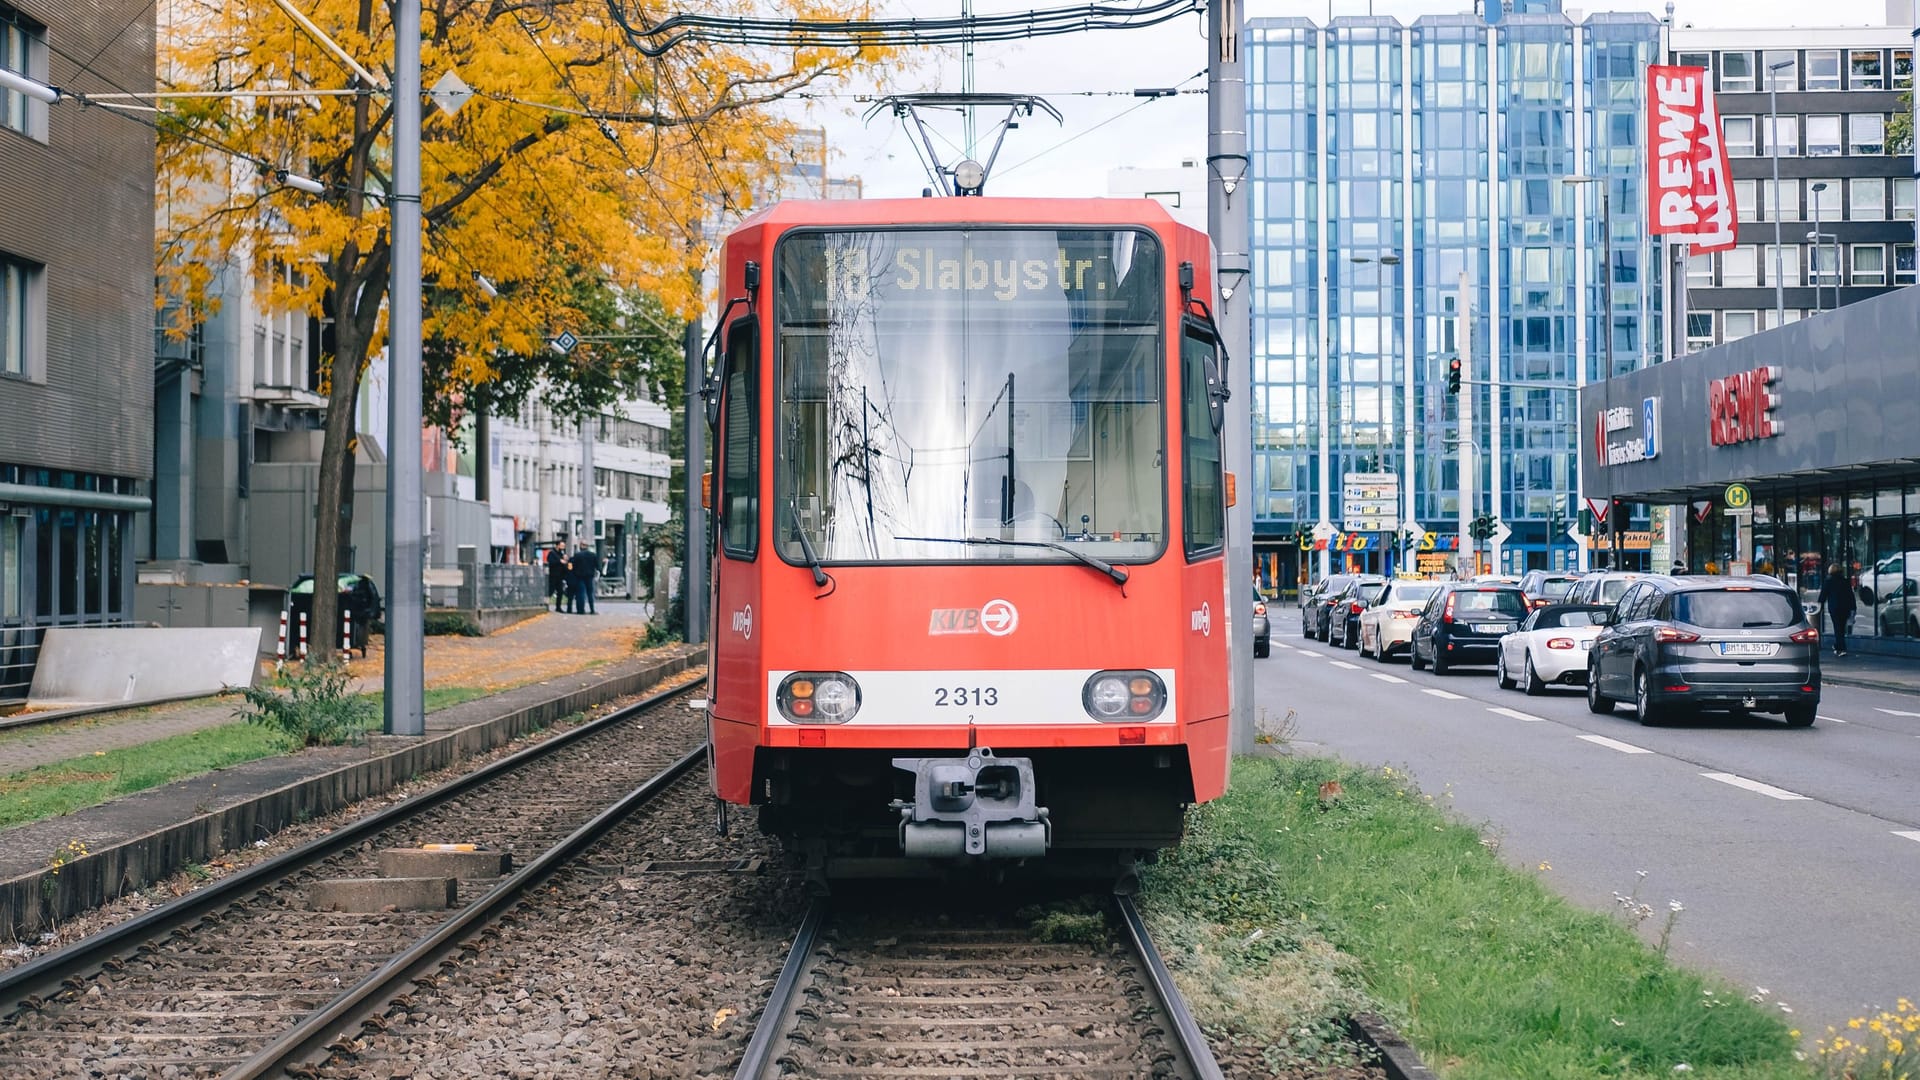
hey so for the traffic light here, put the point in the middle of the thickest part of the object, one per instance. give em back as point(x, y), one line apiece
point(1453, 375)
point(1556, 524)
point(1481, 527)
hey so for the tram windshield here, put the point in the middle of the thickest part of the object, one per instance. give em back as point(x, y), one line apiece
point(943, 391)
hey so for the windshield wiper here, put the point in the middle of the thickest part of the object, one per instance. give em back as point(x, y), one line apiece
point(1117, 573)
point(806, 545)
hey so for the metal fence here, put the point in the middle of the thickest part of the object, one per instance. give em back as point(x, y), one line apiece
point(505, 585)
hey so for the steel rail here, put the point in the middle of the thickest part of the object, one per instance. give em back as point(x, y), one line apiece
point(1187, 1033)
point(785, 996)
point(49, 973)
point(311, 1037)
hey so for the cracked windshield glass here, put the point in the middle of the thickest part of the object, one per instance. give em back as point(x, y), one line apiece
point(945, 386)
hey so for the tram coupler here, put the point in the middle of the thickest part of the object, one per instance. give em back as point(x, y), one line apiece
point(979, 806)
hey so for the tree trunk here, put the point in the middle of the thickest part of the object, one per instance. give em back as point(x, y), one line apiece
point(333, 516)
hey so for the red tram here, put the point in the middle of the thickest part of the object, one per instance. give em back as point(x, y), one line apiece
point(969, 596)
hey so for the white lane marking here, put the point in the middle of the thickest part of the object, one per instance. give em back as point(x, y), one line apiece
point(1768, 790)
point(1614, 744)
point(1442, 694)
point(1384, 677)
point(1308, 652)
point(1518, 715)
point(1833, 719)
point(1283, 645)
point(1909, 834)
point(1344, 664)
point(1895, 712)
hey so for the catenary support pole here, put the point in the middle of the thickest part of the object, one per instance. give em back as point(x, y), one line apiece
point(1230, 224)
point(406, 551)
point(693, 579)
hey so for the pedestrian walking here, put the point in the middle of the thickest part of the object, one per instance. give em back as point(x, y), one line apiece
point(1836, 595)
point(557, 585)
point(585, 573)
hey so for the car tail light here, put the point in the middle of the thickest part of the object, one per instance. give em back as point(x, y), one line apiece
point(1804, 637)
point(1668, 633)
point(818, 697)
point(1560, 643)
point(1405, 612)
point(1447, 614)
point(1356, 607)
point(1112, 696)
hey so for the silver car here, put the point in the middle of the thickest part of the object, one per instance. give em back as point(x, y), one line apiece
point(1387, 624)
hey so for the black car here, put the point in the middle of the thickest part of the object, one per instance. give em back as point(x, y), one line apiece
point(1741, 643)
point(1343, 615)
point(1463, 623)
point(1313, 609)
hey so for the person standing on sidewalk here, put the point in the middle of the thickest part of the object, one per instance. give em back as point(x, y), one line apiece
point(586, 572)
point(557, 585)
point(1836, 595)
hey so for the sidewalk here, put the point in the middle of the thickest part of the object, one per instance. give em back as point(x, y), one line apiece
point(541, 648)
point(1900, 674)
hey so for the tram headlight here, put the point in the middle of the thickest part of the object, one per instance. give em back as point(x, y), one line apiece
point(1114, 696)
point(818, 697)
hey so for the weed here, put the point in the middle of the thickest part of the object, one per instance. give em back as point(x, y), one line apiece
point(1266, 732)
point(658, 633)
point(1079, 921)
point(197, 871)
point(1887, 1045)
point(311, 706)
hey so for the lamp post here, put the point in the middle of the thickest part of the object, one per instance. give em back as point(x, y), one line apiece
point(1386, 259)
point(1606, 334)
point(1814, 238)
point(1773, 151)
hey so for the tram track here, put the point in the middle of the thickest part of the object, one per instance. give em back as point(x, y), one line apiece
point(972, 994)
point(241, 978)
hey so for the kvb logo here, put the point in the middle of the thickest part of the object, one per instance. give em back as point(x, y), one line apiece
point(1203, 619)
point(999, 618)
point(996, 617)
point(743, 622)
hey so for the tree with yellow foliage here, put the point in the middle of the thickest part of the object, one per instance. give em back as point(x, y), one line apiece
point(573, 151)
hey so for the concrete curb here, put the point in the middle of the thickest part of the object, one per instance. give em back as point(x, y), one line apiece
point(52, 716)
point(1868, 684)
point(1396, 1057)
point(29, 900)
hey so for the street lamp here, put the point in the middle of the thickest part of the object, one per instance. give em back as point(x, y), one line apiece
point(1814, 238)
point(1773, 151)
point(1606, 333)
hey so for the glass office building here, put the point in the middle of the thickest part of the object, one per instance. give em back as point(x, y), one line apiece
point(1409, 187)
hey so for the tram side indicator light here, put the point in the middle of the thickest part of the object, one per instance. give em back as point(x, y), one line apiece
point(818, 697)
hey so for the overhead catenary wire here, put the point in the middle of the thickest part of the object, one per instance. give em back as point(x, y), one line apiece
point(660, 38)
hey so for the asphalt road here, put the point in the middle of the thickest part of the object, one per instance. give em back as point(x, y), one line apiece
point(1795, 853)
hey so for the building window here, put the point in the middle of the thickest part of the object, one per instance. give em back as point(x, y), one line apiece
point(1823, 205)
point(1902, 198)
point(1902, 68)
point(13, 583)
point(22, 50)
point(1700, 271)
point(1737, 131)
point(1869, 264)
point(1782, 132)
point(1737, 266)
point(1699, 330)
point(1869, 133)
point(1823, 136)
point(1746, 200)
point(1868, 200)
point(1823, 268)
point(1787, 78)
point(1903, 268)
point(19, 308)
point(1787, 268)
point(1823, 69)
point(1737, 324)
point(1864, 71)
point(1783, 200)
point(1736, 72)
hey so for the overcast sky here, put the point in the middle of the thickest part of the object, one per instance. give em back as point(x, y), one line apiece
point(1091, 77)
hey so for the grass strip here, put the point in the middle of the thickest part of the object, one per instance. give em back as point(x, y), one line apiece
point(1291, 906)
point(63, 787)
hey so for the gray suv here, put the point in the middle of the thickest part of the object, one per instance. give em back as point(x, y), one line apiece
point(1674, 643)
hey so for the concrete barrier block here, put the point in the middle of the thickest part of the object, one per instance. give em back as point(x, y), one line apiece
point(383, 894)
point(427, 863)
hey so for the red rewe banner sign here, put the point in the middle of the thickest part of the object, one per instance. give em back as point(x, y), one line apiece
point(1689, 187)
point(1740, 407)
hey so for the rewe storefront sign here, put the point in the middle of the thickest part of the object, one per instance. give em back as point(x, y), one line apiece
point(1740, 407)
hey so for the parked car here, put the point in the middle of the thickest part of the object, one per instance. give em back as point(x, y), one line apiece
point(1463, 623)
point(1888, 576)
point(1387, 624)
point(1550, 647)
point(1600, 586)
point(1545, 587)
point(1738, 643)
point(1343, 616)
point(1313, 610)
point(1899, 611)
point(1262, 629)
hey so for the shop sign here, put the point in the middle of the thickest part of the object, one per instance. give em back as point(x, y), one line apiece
point(1740, 407)
point(1634, 540)
point(1625, 434)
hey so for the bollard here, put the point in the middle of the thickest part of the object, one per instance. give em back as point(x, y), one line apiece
point(280, 650)
point(346, 631)
point(303, 635)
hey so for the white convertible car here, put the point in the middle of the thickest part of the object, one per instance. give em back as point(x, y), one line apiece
point(1549, 647)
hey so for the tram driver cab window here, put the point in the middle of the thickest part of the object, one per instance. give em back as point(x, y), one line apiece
point(740, 437)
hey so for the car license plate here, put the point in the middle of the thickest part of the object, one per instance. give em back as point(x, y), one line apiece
point(1492, 627)
point(1747, 648)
